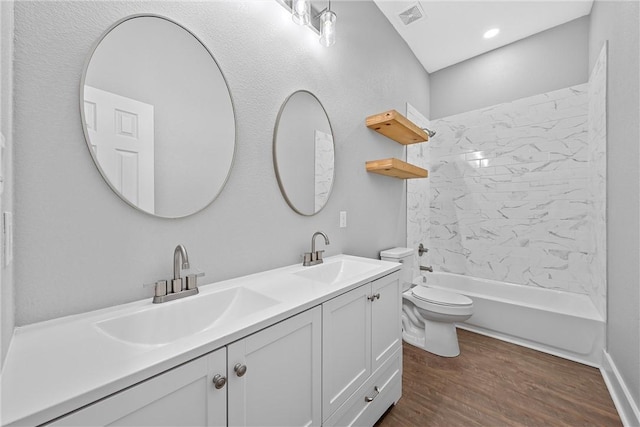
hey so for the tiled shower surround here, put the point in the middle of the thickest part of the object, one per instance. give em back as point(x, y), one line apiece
point(516, 192)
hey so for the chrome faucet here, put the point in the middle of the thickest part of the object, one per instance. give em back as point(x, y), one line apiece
point(177, 287)
point(314, 257)
point(426, 268)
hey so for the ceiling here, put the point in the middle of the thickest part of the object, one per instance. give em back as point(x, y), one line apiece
point(452, 31)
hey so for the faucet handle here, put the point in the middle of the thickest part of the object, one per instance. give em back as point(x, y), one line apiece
point(192, 281)
point(307, 258)
point(160, 287)
point(193, 272)
point(318, 255)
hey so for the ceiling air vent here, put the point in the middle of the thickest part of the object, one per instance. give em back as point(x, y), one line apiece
point(413, 14)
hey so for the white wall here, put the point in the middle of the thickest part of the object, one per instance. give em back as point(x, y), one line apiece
point(79, 247)
point(597, 143)
point(550, 60)
point(6, 124)
point(618, 23)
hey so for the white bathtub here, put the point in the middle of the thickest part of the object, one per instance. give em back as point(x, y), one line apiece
point(560, 323)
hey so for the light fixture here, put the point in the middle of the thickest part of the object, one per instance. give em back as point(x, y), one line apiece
point(491, 33)
point(300, 11)
point(323, 22)
point(327, 27)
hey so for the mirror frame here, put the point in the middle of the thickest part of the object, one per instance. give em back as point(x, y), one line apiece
point(85, 132)
point(275, 160)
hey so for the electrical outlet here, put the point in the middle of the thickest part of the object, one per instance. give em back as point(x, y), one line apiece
point(343, 219)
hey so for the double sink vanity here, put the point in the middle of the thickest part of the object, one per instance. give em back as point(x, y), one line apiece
point(297, 345)
point(313, 344)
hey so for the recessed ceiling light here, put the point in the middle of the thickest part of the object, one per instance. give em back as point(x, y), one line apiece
point(491, 33)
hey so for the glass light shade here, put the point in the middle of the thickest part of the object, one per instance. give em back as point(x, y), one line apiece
point(327, 28)
point(300, 11)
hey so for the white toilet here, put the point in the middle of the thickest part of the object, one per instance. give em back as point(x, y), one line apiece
point(428, 314)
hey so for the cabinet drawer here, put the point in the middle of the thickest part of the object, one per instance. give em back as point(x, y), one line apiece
point(357, 411)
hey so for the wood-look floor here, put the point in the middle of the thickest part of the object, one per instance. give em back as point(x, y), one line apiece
point(494, 383)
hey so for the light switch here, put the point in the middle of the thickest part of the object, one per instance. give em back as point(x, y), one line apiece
point(343, 219)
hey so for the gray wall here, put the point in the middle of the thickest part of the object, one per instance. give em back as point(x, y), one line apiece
point(550, 60)
point(6, 124)
point(79, 247)
point(618, 22)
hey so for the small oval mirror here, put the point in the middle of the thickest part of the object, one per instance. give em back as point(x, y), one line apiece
point(303, 153)
point(158, 116)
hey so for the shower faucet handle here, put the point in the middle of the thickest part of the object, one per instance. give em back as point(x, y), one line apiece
point(422, 250)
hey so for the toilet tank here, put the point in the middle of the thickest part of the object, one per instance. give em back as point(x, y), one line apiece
point(404, 256)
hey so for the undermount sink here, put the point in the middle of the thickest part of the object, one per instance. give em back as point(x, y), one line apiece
point(335, 271)
point(162, 324)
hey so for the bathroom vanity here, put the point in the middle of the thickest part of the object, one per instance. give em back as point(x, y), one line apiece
point(297, 345)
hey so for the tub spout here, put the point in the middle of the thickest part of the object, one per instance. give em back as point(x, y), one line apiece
point(426, 268)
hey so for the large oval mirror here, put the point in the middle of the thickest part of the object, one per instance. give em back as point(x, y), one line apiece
point(158, 116)
point(303, 153)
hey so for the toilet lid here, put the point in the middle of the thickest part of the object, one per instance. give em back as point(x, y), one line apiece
point(436, 296)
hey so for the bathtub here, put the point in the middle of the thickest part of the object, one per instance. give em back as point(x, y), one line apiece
point(564, 324)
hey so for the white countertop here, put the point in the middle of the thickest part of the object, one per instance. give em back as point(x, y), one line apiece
point(55, 367)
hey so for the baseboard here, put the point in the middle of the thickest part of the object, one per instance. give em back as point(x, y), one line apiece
point(627, 408)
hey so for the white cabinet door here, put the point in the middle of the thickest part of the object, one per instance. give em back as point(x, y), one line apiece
point(183, 396)
point(346, 347)
point(386, 319)
point(282, 382)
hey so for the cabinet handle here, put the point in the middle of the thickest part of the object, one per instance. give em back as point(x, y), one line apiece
point(240, 369)
point(219, 381)
point(377, 295)
point(376, 392)
point(373, 297)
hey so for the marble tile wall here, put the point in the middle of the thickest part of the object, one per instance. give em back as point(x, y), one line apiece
point(510, 193)
point(323, 168)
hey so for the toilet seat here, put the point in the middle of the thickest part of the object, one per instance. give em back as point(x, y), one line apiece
point(440, 297)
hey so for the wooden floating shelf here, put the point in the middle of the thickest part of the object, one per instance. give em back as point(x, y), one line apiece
point(397, 127)
point(396, 168)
